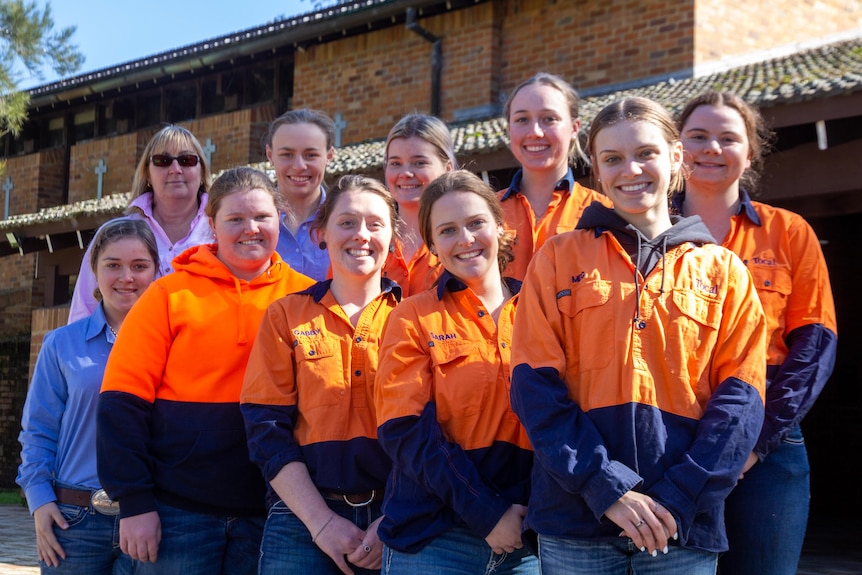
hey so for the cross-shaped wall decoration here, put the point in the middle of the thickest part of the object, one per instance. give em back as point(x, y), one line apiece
point(8, 186)
point(208, 149)
point(101, 168)
point(340, 124)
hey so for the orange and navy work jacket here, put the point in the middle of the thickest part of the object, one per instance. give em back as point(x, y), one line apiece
point(168, 420)
point(417, 275)
point(308, 391)
point(668, 405)
point(568, 203)
point(460, 456)
point(784, 257)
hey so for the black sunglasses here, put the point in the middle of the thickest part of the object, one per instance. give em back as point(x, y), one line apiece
point(165, 160)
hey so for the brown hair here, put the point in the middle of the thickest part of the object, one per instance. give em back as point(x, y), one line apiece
point(171, 136)
point(572, 99)
point(349, 183)
point(240, 180)
point(636, 109)
point(465, 181)
point(429, 128)
point(760, 137)
point(304, 116)
point(120, 229)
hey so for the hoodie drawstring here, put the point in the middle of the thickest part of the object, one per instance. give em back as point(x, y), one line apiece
point(639, 323)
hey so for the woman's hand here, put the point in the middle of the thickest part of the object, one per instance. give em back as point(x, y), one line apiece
point(338, 538)
point(644, 520)
point(749, 463)
point(140, 536)
point(49, 549)
point(506, 534)
point(369, 555)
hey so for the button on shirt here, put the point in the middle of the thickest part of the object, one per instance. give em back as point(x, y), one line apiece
point(58, 436)
point(302, 252)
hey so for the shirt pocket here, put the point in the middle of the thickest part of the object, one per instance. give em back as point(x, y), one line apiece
point(460, 379)
point(588, 326)
point(691, 336)
point(319, 375)
point(773, 285)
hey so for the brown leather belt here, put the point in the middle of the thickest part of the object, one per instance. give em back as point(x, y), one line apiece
point(97, 499)
point(354, 499)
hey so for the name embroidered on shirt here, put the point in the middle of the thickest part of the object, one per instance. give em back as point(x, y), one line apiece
point(443, 336)
point(705, 287)
point(306, 332)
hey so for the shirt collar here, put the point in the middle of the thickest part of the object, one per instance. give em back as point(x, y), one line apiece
point(449, 282)
point(318, 290)
point(98, 323)
point(745, 207)
point(564, 185)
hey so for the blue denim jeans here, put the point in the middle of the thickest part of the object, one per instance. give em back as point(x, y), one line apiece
point(287, 548)
point(459, 551)
point(91, 543)
point(766, 514)
point(558, 556)
point(202, 544)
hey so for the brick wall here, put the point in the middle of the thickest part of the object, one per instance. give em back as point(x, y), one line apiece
point(376, 78)
point(37, 180)
point(120, 157)
point(17, 291)
point(726, 29)
point(236, 135)
point(592, 43)
point(43, 321)
point(13, 391)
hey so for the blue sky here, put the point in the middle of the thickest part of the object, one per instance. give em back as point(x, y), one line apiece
point(111, 32)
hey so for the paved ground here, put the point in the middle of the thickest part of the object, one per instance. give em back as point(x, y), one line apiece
point(830, 550)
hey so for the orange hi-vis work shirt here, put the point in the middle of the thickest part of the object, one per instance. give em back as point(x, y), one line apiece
point(168, 418)
point(309, 391)
point(626, 382)
point(460, 455)
point(414, 276)
point(564, 211)
point(784, 257)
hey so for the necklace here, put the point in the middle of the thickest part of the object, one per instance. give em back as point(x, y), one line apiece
point(113, 331)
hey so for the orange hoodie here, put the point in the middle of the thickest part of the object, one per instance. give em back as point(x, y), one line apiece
point(168, 417)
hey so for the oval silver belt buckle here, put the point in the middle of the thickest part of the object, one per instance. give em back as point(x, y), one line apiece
point(104, 504)
point(364, 503)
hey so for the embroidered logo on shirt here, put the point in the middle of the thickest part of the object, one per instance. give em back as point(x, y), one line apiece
point(763, 261)
point(705, 287)
point(577, 279)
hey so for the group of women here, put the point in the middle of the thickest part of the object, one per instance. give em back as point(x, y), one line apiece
point(430, 376)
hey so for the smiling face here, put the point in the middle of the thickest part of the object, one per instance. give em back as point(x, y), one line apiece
point(541, 128)
point(299, 155)
point(246, 229)
point(174, 182)
point(465, 236)
point(358, 234)
point(124, 269)
point(411, 164)
point(717, 150)
point(634, 163)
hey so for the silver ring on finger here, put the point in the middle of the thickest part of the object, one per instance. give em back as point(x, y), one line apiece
point(640, 524)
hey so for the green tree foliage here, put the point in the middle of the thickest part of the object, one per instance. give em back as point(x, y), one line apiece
point(28, 39)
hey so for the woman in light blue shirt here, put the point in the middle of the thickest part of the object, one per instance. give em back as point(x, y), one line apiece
point(299, 145)
point(77, 526)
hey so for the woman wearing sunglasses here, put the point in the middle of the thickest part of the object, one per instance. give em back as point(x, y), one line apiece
point(169, 192)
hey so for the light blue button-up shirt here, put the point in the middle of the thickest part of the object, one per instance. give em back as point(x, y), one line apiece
point(58, 437)
point(302, 252)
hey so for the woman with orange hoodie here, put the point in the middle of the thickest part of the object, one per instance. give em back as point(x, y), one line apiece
point(171, 443)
